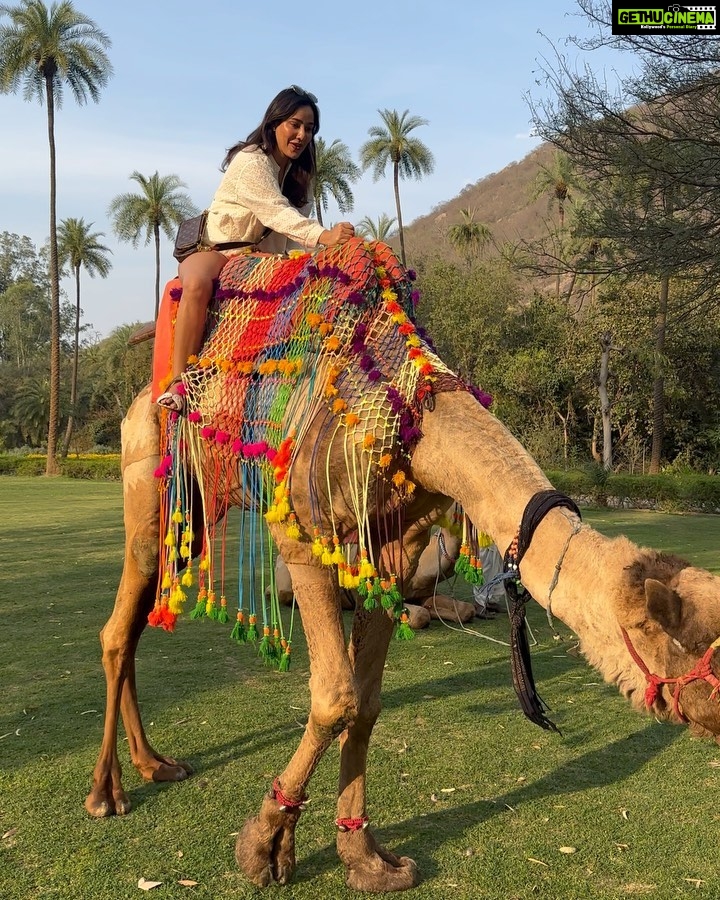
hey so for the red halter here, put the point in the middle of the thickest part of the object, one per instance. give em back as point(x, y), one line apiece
point(701, 672)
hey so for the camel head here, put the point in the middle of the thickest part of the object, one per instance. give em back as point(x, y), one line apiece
point(674, 632)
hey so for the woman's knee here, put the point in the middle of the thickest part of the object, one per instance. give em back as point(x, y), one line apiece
point(203, 266)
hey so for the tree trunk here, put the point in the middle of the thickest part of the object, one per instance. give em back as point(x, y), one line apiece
point(51, 466)
point(606, 345)
point(594, 452)
point(571, 288)
point(157, 269)
point(318, 212)
point(561, 217)
point(566, 432)
point(659, 377)
point(76, 355)
point(396, 185)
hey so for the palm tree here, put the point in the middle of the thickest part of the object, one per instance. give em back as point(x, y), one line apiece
point(556, 181)
point(161, 205)
point(376, 230)
point(78, 247)
point(42, 50)
point(391, 143)
point(334, 171)
point(469, 237)
point(31, 409)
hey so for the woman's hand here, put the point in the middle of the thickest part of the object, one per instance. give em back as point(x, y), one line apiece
point(340, 233)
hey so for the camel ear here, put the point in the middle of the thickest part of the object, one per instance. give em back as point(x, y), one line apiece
point(663, 604)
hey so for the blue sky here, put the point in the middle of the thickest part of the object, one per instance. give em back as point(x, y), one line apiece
point(191, 78)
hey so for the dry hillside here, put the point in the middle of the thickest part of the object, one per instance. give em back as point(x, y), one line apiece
point(502, 201)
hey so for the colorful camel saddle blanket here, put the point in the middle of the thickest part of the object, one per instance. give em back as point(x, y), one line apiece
point(322, 346)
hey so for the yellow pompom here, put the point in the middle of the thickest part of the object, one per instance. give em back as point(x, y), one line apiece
point(187, 579)
point(177, 516)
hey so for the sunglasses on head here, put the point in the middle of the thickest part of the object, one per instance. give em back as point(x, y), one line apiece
point(301, 93)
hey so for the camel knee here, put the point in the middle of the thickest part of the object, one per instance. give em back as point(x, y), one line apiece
point(331, 716)
point(145, 553)
point(368, 713)
point(116, 655)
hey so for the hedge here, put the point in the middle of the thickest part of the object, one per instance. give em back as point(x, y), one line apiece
point(103, 468)
point(668, 491)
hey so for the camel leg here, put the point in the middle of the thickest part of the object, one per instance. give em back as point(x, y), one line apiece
point(120, 636)
point(369, 866)
point(265, 849)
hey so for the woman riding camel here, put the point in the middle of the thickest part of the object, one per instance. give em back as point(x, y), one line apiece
point(264, 198)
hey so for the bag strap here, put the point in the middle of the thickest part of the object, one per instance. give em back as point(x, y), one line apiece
point(234, 245)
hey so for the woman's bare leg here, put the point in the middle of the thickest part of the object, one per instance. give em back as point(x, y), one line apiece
point(197, 274)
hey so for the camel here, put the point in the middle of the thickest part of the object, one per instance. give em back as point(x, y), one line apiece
point(646, 620)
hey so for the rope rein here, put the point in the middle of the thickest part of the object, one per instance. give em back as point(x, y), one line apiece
point(577, 527)
point(702, 671)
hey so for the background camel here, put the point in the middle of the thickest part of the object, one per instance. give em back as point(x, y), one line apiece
point(613, 594)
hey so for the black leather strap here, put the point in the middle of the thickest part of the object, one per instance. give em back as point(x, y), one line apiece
point(539, 505)
point(233, 245)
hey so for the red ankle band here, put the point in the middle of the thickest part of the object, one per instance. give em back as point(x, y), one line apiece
point(352, 824)
point(284, 801)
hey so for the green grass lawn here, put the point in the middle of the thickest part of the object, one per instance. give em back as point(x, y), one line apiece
point(483, 800)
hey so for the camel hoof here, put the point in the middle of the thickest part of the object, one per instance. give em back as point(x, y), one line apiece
point(163, 768)
point(252, 859)
point(101, 809)
point(177, 772)
point(265, 852)
point(402, 875)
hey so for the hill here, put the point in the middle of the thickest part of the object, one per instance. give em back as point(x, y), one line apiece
point(501, 200)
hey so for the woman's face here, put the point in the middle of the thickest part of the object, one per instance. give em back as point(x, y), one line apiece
point(295, 133)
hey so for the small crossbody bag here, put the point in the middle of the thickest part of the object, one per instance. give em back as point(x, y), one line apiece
point(189, 238)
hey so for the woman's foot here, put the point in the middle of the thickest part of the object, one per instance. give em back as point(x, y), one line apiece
point(174, 397)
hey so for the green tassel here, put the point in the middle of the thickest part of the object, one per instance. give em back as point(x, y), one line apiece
point(386, 600)
point(284, 662)
point(238, 633)
point(267, 651)
point(369, 603)
point(404, 632)
point(199, 611)
point(252, 633)
point(223, 616)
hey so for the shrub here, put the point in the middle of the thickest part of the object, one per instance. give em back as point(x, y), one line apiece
point(105, 468)
point(669, 491)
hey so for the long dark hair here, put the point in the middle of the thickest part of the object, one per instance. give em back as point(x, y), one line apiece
point(297, 186)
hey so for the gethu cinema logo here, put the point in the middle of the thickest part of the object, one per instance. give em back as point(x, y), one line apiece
point(700, 17)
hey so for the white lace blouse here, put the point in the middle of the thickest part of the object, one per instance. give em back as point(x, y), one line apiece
point(249, 199)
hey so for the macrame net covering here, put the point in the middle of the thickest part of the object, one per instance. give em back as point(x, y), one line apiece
point(320, 347)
